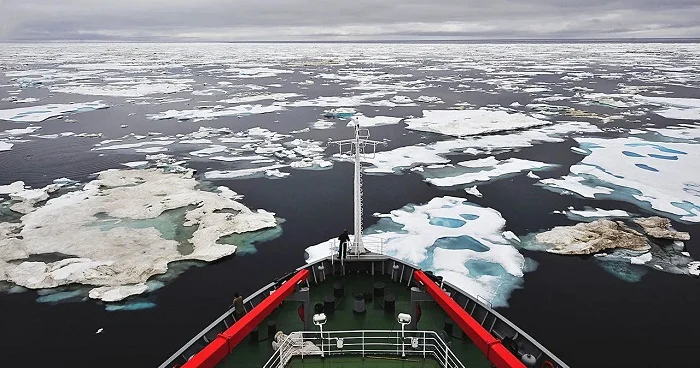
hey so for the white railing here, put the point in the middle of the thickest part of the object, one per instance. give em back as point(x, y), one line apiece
point(365, 343)
point(371, 243)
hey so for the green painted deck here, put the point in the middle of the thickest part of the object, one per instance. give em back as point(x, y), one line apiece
point(256, 353)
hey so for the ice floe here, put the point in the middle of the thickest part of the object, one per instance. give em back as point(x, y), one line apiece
point(460, 123)
point(674, 108)
point(37, 114)
point(456, 239)
point(112, 236)
point(365, 121)
point(125, 87)
point(619, 247)
point(214, 113)
point(481, 170)
point(656, 176)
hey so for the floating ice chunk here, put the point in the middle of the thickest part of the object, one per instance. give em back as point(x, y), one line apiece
point(510, 236)
point(675, 108)
point(135, 164)
point(574, 184)
point(428, 99)
point(580, 151)
point(5, 146)
point(387, 161)
point(671, 187)
point(208, 151)
point(536, 89)
point(610, 100)
point(532, 175)
point(134, 145)
point(597, 213)
point(694, 268)
point(323, 124)
point(471, 122)
point(12, 188)
point(26, 100)
point(233, 174)
point(117, 293)
point(365, 121)
point(276, 173)
point(401, 100)
point(490, 170)
point(37, 114)
point(639, 260)
point(474, 256)
point(236, 158)
point(195, 141)
point(214, 113)
point(342, 112)
point(473, 191)
point(260, 97)
point(209, 92)
point(17, 132)
point(123, 254)
point(682, 131)
point(129, 88)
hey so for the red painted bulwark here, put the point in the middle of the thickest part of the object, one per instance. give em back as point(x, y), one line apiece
point(220, 347)
point(495, 352)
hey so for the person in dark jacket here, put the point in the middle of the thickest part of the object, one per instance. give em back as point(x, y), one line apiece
point(344, 239)
point(238, 305)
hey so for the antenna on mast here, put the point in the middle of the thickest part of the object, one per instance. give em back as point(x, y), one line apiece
point(358, 148)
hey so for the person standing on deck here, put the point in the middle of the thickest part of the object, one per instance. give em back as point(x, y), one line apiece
point(238, 305)
point(344, 239)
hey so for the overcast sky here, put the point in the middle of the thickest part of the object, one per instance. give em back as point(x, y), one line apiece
point(295, 20)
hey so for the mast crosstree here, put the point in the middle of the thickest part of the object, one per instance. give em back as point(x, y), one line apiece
point(358, 148)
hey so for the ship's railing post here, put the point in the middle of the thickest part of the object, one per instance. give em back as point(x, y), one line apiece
point(363, 343)
point(424, 344)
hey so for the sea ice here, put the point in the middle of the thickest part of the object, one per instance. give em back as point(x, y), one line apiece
point(487, 169)
point(458, 240)
point(592, 213)
point(473, 191)
point(124, 88)
point(214, 113)
point(365, 121)
point(244, 99)
point(674, 108)
point(37, 114)
point(471, 122)
point(658, 176)
point(575, 184)
point(233, 174)
point(5, 146)
point(118, 253)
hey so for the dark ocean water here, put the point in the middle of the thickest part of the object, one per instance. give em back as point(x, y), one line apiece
point(581, 312)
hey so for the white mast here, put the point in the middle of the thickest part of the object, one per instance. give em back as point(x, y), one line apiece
point(357, 148)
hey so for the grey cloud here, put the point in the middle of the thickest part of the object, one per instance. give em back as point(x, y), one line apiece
point(220, 20)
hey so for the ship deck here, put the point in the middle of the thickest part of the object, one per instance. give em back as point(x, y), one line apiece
point(254, 353)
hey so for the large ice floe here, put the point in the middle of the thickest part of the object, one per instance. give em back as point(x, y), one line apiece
point(478, 171)
point(656, 176)
point(621, 247)
point(384, 162)
point(121, 230)
point(460, 123)
point(674, 108)
point(215, 112)
point(456, 239)
point(36, 114)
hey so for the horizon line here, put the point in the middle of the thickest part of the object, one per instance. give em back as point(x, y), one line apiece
point(465, 40)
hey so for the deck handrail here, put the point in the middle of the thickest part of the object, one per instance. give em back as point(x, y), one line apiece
point(427, 344)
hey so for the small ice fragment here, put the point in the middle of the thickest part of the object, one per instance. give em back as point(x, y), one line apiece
point(642, 259)
point(659, 267)
point(123, 126)
point(511, 236)
point(687, 254)
point(579, 150)
point(473, 191)
point(532, 175)
point(99, 330)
